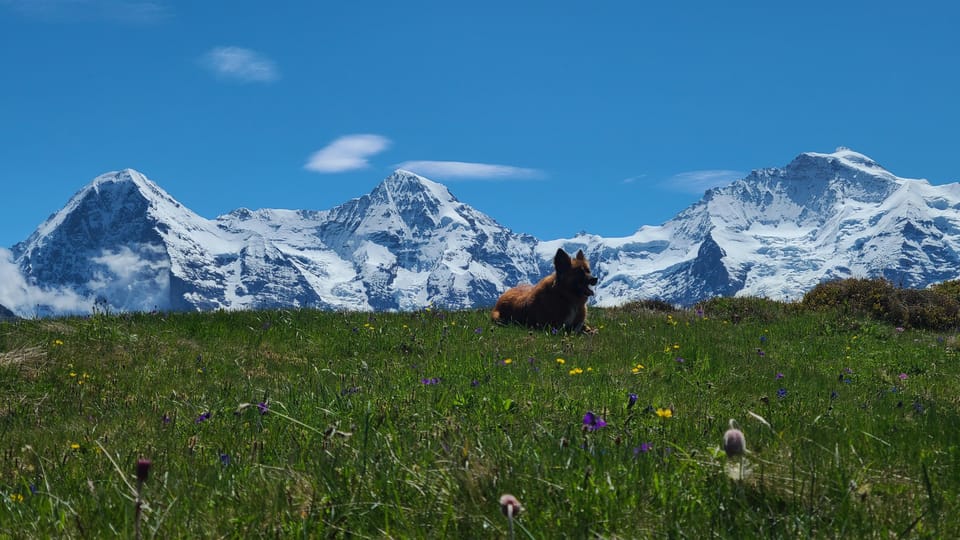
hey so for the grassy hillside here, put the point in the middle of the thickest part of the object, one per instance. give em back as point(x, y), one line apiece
point(313, 424)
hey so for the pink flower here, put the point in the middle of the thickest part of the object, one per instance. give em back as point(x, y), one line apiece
point(734, 444)
point(903, 376)
point(509, 505)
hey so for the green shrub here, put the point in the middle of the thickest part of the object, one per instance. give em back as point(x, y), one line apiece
point(934, 308)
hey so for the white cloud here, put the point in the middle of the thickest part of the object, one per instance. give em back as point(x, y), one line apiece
point(696, 182)
point(347, 153)
point(120, 11)
point(239, 64)
point(451, 170)
point(23, 298)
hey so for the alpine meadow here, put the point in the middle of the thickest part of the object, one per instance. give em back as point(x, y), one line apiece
point(317, 424)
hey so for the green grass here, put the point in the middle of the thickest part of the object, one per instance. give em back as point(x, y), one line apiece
point(859, 438)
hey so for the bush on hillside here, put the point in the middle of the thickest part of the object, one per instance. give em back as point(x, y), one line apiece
point(877, 298)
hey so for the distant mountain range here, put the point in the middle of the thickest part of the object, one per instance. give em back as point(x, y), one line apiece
point(123, 243)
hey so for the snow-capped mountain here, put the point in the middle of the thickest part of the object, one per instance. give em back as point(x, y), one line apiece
point(780, 231)
point(407, 244)
point(124, 242)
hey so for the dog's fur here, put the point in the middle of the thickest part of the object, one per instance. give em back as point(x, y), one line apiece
point(558, 301)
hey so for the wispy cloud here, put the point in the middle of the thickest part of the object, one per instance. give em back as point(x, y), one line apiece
point(460, 170)
point(120, 11)
point(696, 182)
point(633, 179)
point(239, 64)
point(347, 153)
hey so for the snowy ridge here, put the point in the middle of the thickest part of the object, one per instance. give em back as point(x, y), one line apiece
point(124, 242)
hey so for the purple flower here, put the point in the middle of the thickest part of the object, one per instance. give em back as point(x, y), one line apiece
point(779, 376)
point(642, 449)
point(760, 352)
point(432, 380)
point(474, 383)
point(225, 459)
point(143, 470)
point(478, 330)
point(679, 359)
point(592, 422)
point(166, 418)
point(902, 376)
point(263, 407)
point(203, 417)
point(834, 394)
point(631, 400)
point(782, 393)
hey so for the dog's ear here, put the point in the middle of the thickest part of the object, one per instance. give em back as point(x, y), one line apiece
point(580, 255)
point(561, 261)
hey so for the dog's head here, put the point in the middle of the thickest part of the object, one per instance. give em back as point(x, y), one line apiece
point(574, 274)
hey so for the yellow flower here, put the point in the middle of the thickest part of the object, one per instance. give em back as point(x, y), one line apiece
point(589, 369)
point(57, 342)
point(561, 361)
point(16, 497)
point(73, 373)
point(508, 360)
point(637, 368)
point(664, 413)
point(74, 446)
point(576, 371)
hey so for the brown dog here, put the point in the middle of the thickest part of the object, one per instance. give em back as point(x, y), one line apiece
point(558, 301)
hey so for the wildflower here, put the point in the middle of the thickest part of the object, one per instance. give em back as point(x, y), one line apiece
point(664, 413)
point(734, 444)
point(263, 407)
point(478, 330)
point(510, 507)
point(592, 422)
point(16, 497)
point(576, 371)
point(561, 361)
point(637, 368)
point(782, 393)
point(475, 383)
point(58, 343)
point(631, 400)
point(643, 448)
point(834, 394)
point(507, 361)
point(166, 418)
point(203, 417)
point(429, 381)
point(679, 360)
point(902, 376)
point(225, 459)
point(760, 352)
point(778, 376)
point(143, 470)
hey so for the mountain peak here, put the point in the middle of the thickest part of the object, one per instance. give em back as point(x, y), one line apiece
point(846, 158)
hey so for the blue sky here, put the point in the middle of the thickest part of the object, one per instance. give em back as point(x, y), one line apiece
point(552, 117)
